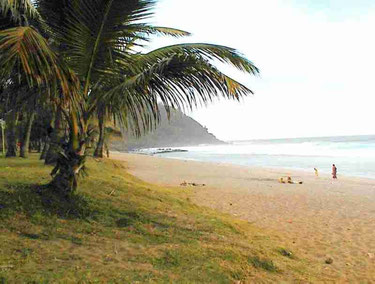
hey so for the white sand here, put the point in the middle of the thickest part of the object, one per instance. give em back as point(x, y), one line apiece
point(320, 218)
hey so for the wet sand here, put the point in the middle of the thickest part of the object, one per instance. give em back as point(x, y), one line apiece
point(318, 219)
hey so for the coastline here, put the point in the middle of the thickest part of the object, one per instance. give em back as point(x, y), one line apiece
point(117, 155)
point(320, 218)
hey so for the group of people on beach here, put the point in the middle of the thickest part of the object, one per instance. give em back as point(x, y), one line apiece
point(334, 171)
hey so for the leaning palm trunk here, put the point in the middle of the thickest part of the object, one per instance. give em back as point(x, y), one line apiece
point(25, 142)
point(11, 136)
point(100, 146)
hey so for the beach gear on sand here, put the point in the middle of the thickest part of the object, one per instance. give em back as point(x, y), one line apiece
point(192, 184)
point(289, 180)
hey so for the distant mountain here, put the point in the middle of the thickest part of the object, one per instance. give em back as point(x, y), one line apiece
point(180, 130)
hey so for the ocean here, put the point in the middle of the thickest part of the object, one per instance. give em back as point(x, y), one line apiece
point(352, 155)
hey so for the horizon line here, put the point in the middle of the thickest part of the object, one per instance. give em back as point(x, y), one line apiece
point(302, 137)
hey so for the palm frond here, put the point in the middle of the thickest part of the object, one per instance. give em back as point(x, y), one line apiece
point(25, 50)
point(167, 31)
point(221, 53)
point(97, 33)
point(18, 11)
point(179, 81)
point(140, 34)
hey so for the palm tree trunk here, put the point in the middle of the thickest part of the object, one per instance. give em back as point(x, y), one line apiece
point(39, 146)
point(66, 173)
point(11, 136)
point(55, 142)
point(45, 149)
point(2, 126)
point(100, 146)
point(47, 139)
point(69, 163)
point(24, 151)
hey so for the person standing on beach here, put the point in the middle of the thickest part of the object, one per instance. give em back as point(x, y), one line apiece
point(316, 172)
point(334, 171)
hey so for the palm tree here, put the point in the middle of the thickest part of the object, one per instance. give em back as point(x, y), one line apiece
point(26, 58)
point(10, 114)
point(26, 127)
point(96, 43)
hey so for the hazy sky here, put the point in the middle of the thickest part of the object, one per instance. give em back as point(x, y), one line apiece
point(316, 57)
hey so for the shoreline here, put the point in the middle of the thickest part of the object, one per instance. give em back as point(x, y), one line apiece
point(318, 219)
point(266, 168)
point(302, 170)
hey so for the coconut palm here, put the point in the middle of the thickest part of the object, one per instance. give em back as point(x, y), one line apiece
point(97, 43)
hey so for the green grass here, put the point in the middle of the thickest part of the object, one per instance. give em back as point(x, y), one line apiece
point(118, 229)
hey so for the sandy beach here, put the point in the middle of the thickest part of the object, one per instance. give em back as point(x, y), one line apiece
point(319, 219)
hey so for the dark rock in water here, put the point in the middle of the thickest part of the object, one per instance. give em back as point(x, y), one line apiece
point(168, 150)
point(157, 151)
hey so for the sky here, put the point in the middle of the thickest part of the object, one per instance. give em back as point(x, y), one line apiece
point(316, 61)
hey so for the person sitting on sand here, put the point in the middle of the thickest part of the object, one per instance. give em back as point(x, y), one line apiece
point(316, 172)
point(334, 171)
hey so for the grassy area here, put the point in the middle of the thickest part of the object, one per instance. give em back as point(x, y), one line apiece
point(119, 229)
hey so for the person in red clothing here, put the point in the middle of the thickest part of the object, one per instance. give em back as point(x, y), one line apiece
point(334, 171)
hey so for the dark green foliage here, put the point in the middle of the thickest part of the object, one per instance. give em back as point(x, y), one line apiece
point(25, 252)
point(265, 264)
point(129, 219)
point(31, 236)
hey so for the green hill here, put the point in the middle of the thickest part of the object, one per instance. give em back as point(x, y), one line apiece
point(180, 130)
point(119, 229)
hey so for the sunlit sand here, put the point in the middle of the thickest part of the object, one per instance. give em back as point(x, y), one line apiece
point(319, 219)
